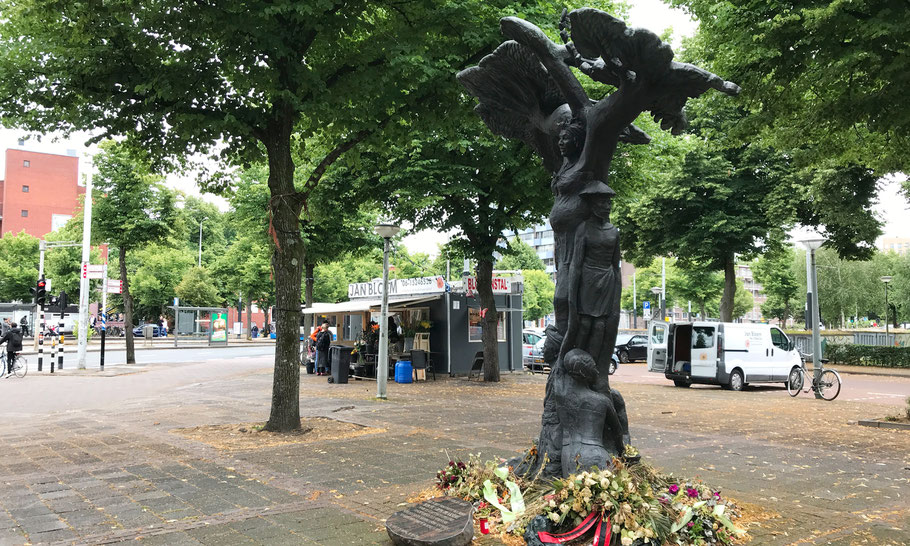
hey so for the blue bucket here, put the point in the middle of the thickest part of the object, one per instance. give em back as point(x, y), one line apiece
point(404, 373)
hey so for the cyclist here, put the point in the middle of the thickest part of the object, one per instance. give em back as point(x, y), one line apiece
point(13, 340)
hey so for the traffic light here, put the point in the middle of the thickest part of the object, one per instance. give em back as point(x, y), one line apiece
point(41, 291)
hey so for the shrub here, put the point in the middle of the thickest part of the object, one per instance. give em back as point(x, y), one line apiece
point(869, 355)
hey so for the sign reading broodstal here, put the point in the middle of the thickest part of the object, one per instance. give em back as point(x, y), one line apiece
point(443, 521)
point(397, 287)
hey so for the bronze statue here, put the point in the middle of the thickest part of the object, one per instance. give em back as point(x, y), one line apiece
point(526, 89)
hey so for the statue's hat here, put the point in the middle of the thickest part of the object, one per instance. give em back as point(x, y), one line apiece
point(597, 188)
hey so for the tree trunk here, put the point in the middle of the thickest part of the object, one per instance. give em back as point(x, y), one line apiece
point(726, 301)
point(490, 320)
point(249, 319)
point(287, 261)
point(308, 318)
point(703, 314)
point(127, 309)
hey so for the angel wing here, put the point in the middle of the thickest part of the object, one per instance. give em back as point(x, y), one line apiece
point(518, 99)
point(639, 55)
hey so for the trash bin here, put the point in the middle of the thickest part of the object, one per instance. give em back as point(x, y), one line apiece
point(340, 359)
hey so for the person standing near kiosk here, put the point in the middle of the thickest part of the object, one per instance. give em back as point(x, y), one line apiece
point(323, 341)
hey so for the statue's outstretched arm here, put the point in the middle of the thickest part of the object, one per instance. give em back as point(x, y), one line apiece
point(552, 55)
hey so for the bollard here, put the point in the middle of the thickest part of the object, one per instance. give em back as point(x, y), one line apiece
point(40, 334)
point(60, 346)
point(103, 329)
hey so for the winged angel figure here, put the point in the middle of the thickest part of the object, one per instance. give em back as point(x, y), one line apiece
point(527, 90)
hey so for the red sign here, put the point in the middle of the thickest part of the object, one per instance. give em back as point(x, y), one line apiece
point(501, 285)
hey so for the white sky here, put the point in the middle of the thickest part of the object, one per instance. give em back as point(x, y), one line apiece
point(654, 15)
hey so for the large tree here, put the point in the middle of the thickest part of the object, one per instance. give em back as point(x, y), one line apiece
point(261, 78)
point(476, 185)
point(825, 79)
point(18, 266)
point(774, 271)
point(132, 209)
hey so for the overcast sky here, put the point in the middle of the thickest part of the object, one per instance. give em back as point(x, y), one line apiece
point(654, 15)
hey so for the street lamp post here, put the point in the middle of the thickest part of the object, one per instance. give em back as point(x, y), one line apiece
point(813, 244)
point(386, 231)
point(886, 279)
point(658, 292)
point(199, 264)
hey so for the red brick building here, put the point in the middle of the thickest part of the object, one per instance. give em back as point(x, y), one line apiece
point(39, 192)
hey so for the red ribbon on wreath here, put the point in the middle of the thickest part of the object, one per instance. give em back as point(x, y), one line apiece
point(602, 536)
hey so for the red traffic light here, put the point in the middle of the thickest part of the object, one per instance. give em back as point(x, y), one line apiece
point(42, 284)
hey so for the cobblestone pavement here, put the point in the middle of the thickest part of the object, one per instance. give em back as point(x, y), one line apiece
point(106, 468)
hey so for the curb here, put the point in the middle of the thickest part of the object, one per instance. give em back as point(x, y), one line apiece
point(70, 348)
point(883, 424)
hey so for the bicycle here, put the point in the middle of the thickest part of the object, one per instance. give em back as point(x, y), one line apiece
point(827, 386)
point(20, 364)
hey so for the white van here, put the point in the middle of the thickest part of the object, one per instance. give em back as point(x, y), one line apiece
point(721, 353)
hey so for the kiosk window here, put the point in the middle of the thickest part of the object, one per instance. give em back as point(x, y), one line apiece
point(475, 328)
point(702, 337)
point(353, 326)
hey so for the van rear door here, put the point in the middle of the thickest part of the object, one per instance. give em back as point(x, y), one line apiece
point(704, 351)
point(659, 334)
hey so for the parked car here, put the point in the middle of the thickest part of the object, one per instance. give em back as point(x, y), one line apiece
point(529, 338)
point(535, 362)
point(156, 332)
point(630, 348)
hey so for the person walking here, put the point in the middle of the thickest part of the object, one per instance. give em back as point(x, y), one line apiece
point(323, 341)
point(13, 340)
point(23, 325)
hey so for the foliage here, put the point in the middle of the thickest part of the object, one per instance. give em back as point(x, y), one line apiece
point(61, 264)
point(18, 266)
point(519, 255)
point(156, 271)
point(868, 355)
point(197, 289)
point(821, 78)
point(245, 269)
point(537, 299)
point(743, 302)
point(699, 285)
point(216, 229)
point(773, 270)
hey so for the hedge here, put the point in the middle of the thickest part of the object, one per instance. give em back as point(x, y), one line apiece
point(868, 355)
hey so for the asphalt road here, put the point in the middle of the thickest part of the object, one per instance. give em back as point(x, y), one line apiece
point(874, 389)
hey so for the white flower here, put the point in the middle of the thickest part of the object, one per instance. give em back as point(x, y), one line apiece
point(627, 541)
point(552, 503)
point(554, 516)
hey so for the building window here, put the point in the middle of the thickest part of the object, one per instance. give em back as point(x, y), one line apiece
point(26, 163)
point(24, 189)
point(475, 328)
point(24, 213)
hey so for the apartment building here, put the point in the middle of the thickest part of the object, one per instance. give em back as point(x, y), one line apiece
point(39, 192)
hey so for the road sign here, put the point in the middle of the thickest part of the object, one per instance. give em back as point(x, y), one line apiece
point(94, 271)
point(114, 286)
point(646, 305)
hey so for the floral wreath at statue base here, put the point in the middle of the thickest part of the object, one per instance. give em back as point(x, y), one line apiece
point(628, 504)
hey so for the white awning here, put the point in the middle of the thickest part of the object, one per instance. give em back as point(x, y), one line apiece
point(364, 305)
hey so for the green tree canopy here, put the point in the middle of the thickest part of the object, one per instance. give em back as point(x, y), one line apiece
point(823, 79)
point(774, 271)
point(537, 300)
point(519, 255)
point(156, 270)
point(18, 266)
point(197, 288)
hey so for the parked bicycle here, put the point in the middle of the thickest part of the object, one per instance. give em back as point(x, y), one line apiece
point(19, 367)
point(827, 386)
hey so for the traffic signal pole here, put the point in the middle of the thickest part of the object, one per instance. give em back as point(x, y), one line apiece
point(85, 283)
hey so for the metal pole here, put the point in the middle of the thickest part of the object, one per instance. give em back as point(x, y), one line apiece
point(663, 288)
point(60, 346)
point(39, 337)
point(887, 312)
point(200, 242)
point(84, 282)
point(448, 320)
point(634, 302)
point(42, 247)
point(103, 313)
point(382, 364)
point(816, 335)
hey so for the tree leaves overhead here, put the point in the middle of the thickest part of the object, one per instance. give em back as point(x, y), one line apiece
point(827, 79)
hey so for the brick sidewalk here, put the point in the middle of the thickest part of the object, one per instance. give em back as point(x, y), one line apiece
point(118, 475)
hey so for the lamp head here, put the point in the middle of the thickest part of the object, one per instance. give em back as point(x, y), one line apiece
point(386, 231)
point(656, 290)
point(812, 243)
point(886, 279)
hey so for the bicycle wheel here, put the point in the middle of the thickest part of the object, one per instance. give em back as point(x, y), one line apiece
point(795, 381)
point(829, 385)
point(20, 367)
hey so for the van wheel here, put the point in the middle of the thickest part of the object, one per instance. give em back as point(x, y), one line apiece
point(624, 357)
point(682, 383)
point(736, 381)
